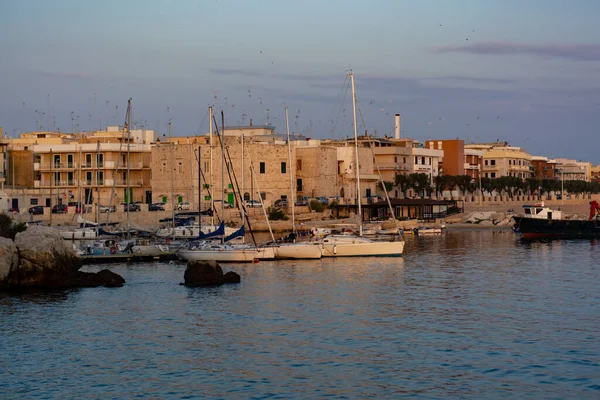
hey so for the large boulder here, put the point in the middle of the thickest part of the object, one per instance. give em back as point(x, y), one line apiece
point(9, 258)
point(207, 273)
point(45, 259)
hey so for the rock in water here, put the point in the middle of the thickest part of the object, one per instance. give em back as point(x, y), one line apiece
point(232, 277)
point(203, 273)
point(9, 258)
point(45, 259)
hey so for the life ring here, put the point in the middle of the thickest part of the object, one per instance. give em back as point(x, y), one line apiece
point(113, 250)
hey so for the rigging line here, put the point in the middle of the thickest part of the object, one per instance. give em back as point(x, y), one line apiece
point(115, 174)
point(371, 146)
point(214, 209)
point(341, 105)
point(202, 123)
point(229, 163)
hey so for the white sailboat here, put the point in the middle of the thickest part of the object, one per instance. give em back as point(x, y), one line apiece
point(294, 250)
point(351, 245)
point(222, 251)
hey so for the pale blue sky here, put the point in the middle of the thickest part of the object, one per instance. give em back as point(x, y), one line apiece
point(522, 71)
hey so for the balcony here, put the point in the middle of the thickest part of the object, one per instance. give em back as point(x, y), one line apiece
point(57, 184)
point(394, 166)
point(54, 166)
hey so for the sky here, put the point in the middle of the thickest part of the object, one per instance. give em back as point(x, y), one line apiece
point(525, 72)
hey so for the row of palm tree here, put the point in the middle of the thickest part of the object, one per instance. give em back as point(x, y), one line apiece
point(506, 185)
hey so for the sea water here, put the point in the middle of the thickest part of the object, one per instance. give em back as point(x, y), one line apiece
point(468, 314)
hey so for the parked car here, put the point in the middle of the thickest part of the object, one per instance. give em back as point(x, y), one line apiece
point(156, 207)
point(60, 209)
point(184, 205)
point(105, 209)
point(281, 203)
point(131, 207)
point(322, 199)
point(253, 203)
point(36, 210)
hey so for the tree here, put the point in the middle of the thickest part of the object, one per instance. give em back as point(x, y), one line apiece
point(420, 182)
point(404, 182)
point(387, 185)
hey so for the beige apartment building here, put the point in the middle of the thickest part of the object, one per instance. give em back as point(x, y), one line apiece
point(500, 159)
point(573, 170)
point(49, 168)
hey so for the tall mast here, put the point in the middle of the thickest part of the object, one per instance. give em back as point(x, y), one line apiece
point(223, 169)
point(127, 129)
point(97, 187)
point(292, 199)
point(200, 188)
point(172, 185)
point(356, 156)
point(210, 166)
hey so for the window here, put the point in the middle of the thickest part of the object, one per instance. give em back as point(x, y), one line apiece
point(404, 160)
point(100, 160)
point(57, 178)
point(368, 192)
point(88, 178)
point(56, 160)
point(395, 159)
point(164, 168)
point(423, 160)
point(263, 195)
point(70, 180)
point(283, 167)
point(180, 168)
point(298, 165)
point(298, 185)
point(492, 162)
point(262, 168)
point(486, 175)
point(493, 175)
point(88, 161)
point(416, 160)
point(207, 169)
point(100, 177)
point(486, 163)
point(33, 202)
point(70, 161)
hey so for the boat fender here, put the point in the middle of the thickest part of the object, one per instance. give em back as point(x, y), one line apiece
point(334, 249)
point(255, 260)
point(113, 250)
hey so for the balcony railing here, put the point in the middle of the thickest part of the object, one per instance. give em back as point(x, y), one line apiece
point(54, 166)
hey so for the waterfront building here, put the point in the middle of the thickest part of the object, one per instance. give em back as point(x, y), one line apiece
point(500, 159)
point(595, 173)
point(543, 168)
point(573, 170)
point(49, 168)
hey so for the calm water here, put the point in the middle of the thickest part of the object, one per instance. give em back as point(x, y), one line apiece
point(469, 314)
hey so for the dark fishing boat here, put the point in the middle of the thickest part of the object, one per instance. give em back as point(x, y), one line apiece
point(539, 221)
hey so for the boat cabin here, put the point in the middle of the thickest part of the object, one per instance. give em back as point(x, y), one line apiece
point(540, 212)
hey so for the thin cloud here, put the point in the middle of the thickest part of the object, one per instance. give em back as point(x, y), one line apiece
point(575, 52)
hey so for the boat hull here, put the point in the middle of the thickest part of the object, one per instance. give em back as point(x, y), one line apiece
point(297, 251)
point(219, 255)
point(533, 228)
point(348, 246)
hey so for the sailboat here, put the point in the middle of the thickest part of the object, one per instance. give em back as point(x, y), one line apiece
point(294, 250)
point(352, 245)
point(206, 248)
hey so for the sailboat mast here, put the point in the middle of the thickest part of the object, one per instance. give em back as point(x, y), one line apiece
point(128, 130)
point(97, 187)
point(356, 156)
point(172, 185)
point(223, 169)
point(200, 188)
point(210, 166)
point(293, 198)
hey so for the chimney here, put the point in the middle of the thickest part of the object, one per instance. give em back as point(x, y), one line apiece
point(397, 127)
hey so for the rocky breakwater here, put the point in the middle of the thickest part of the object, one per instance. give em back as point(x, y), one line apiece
point(483, 219)
point(39, 258)
point(207, 273)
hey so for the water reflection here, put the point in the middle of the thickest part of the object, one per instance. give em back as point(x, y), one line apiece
point(470, 313)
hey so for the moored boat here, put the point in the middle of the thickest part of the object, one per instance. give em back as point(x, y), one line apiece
point(539, 221)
